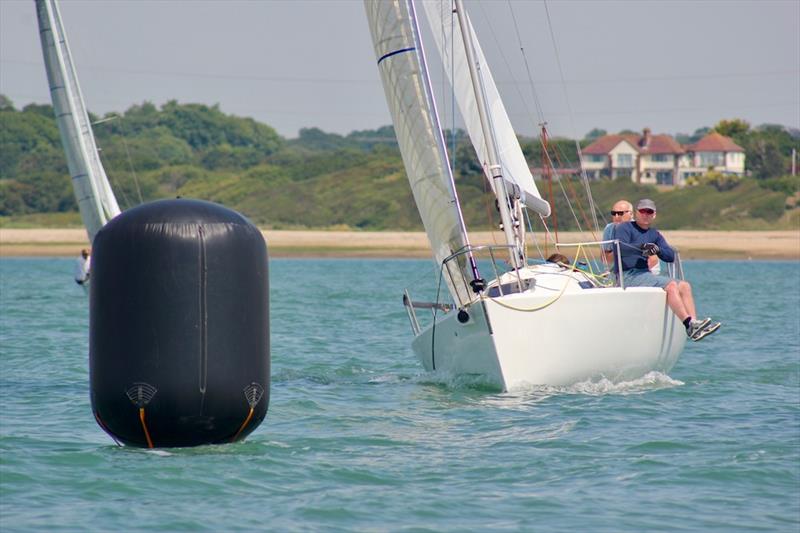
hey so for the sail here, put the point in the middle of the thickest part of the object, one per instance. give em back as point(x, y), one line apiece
point(93, 192)
point(448, 40)
point(401, 62)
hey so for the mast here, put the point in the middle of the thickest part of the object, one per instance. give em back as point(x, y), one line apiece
point(495, 169)
point(93, 192)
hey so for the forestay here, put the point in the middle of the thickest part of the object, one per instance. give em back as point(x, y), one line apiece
point(401, 62)
point(93, 192)
point(449, 42)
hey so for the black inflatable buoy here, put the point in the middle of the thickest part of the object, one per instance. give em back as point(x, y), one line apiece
point(179, 325)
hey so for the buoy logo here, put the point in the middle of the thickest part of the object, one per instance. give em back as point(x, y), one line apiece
point(141, 394)
point(253, 394)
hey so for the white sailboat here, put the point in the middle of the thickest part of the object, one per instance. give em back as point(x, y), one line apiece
point(93, 192)
point(532, 324)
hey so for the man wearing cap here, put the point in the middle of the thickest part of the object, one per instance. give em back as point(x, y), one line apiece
point(638, 241)
point(622, 211)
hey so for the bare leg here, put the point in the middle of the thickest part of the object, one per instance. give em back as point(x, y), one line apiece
point(675, 301)
point(688, 300)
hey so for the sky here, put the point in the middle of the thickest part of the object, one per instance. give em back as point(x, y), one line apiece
point(672, 66)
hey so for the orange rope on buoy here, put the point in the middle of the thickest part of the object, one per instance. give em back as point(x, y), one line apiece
point(144, 426)
point(244, 424)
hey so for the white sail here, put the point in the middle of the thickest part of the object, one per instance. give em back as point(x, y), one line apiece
point(401, 62)
point(93, 192)
point(450, 45)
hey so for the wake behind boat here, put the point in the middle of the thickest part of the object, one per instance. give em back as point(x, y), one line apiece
point(530, 324)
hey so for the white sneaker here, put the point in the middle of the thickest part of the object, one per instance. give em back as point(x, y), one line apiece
point(707, 330)
point(696, 326)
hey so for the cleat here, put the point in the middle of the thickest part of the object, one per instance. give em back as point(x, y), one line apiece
point(706, 331)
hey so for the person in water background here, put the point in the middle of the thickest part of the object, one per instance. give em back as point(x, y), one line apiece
point(82, 267)
point(639, 240)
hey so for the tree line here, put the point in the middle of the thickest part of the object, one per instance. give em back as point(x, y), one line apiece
point(322, 179)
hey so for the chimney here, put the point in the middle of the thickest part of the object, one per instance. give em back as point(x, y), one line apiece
point(646, 138)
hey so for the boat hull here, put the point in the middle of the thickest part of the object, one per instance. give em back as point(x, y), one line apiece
point(527, 339)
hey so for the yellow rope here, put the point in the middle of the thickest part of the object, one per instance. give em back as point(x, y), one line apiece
point(546, 304)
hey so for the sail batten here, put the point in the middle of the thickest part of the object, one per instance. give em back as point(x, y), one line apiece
point(93, 193)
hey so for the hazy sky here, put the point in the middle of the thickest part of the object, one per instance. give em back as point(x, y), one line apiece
point(673, 66)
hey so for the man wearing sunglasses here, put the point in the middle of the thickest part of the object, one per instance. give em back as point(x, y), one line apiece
point(622, 211)
point(638, 242)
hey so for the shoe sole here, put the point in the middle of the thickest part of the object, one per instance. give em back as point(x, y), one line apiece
point(706, 332)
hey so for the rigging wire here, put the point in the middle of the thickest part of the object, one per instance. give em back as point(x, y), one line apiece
point(517, 84)
point(130, 160)
point(128, 157)
point(571, 117)
point(452, 89)
point(114, 183)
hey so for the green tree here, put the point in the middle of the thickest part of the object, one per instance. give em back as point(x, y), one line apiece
point(734, 128)
point(764, 158)
point(594, 134)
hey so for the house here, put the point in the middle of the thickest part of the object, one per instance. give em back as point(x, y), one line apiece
point(660, 159)
point(712, 152)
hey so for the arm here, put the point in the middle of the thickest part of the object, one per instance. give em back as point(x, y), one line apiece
point(666, 252)
point(629, 247)
point(608, 249)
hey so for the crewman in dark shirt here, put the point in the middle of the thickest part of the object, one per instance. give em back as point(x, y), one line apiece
point(638, 241)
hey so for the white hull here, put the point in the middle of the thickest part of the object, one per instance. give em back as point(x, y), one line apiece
point(619, 334)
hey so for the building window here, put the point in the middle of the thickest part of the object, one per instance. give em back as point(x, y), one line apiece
point(622, 173)
point(597, 158)
point(624, 160)
point(664, 178)
point(711, 159)
point(660, 158)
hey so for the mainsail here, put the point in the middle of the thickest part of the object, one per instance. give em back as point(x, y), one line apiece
point(401, 61)
point(93, 192)
point(450, 45)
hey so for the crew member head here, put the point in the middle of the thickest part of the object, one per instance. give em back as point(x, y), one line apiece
point(645, 212)
point(621, 212)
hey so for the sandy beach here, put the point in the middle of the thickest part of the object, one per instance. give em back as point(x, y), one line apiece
point(692, 244)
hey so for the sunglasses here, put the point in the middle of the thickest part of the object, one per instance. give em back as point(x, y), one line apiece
point(618, 213)
point(646, 211)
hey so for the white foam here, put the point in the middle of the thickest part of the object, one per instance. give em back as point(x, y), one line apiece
point(596, 387)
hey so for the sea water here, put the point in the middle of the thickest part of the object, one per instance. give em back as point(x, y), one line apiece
point(359, 438)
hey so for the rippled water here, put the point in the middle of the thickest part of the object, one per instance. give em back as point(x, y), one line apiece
point(358, 438)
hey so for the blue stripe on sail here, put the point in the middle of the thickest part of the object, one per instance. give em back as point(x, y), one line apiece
point(390, 54)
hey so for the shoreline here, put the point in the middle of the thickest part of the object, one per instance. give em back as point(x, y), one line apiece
point(701, 244)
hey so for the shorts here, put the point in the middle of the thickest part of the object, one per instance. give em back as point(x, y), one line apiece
point(637, 277)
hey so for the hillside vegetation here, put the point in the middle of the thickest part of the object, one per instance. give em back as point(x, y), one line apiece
point(323, 180)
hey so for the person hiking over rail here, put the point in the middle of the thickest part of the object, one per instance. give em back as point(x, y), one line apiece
point(638, 240)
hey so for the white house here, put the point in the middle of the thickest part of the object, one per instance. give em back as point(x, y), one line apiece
point(712, 152)
point(660, 159)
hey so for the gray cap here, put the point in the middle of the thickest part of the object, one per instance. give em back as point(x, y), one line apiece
point(646, 204)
